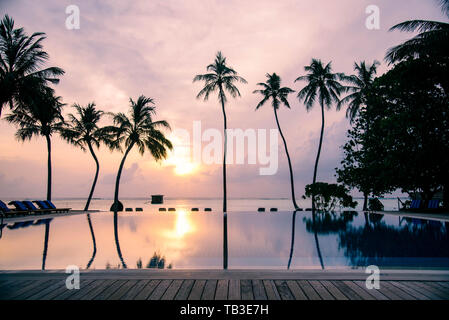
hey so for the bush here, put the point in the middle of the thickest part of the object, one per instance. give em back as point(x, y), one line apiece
point(375, 205)
point(329, 196)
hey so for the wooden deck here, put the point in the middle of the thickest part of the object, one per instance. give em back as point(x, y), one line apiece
point(223, 285)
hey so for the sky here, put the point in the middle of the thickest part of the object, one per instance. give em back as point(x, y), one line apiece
point(124, 49)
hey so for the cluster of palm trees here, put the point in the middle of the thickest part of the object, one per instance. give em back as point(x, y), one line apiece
point(323, 86)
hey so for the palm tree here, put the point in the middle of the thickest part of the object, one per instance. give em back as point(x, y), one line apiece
point(324, 85)
point(272, 90)
point(39, 116)
point(360, 85)
point(21, 58)
point(139, 130)
point(84, 132)
point(432, 40)
point(220, 78)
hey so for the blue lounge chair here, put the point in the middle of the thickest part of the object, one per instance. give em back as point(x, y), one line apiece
point(19, 205)
point(433, 204)
point(8, 212)
point(49, 206)
point(416, 204)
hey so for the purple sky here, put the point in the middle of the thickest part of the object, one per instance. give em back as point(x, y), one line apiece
point(124, 49)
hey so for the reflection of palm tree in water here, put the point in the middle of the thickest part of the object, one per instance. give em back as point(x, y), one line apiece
point(94, 252)
point(318, 250)
point(44, 254)
point(293, 240)
point(117, 243)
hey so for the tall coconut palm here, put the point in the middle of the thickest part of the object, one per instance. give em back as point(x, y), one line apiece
point(138, 129)
point(360, 83)
point(432, 40)
point(84, 132)
point(221, 79)
point(272, 90)
point(40, 115)
point(21, 59)
point(324, 85)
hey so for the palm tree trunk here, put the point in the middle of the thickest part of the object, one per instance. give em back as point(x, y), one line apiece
point(292, 184)
point(292, 246)
point(94, 243)
point(117, 184)
point(319, 152)
point(44, 254)
point(86, 207)
point(225, 215)
point(47, 137)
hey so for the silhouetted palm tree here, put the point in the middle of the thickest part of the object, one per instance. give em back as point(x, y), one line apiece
point(21, 58)
point(292, 245)
point(221, 78)
point(83, 131)
point(324, 85)
point(139, 130)
point(360, 83)
point(94, 243)
point(432, 40)
point(273, 91)
point(40, 115)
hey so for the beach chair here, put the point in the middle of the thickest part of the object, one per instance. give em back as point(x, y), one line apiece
point(416, 204)
point(261, 210)
point(31, 207)
point(49, 206)
point(8, 212)
point(195, 209)
point(52, 206)
point(433, 204)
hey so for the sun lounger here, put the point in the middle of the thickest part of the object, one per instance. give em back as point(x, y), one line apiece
point(31, 207)
point(208, 209)
point(433, 204)
point(416, 204)
point(49, 206)
point(261, 210)
point(8, 212)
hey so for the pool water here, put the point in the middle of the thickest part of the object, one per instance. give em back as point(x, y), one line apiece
point(194, 240)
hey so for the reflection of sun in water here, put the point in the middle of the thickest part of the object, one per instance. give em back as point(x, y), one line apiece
point(182, 224)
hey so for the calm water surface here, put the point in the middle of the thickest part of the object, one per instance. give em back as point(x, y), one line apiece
point(195, 240)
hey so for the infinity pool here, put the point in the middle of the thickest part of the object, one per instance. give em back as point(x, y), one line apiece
point(183, 240)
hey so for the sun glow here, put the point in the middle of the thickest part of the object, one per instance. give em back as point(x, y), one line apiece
point(180, 158)
point(182, 224)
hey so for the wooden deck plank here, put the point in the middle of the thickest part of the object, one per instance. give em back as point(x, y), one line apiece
point(102, 291)
point(145, 293)
point(362, 292)
point(123, 290)
point(42, 293)
point(308, 290)
point(160, 290)
point(440, 293)
point(321, 290)
point(110, 290)
point(222, 290)
point(296, 290)
point(16, 291)
point(259, 290)
point(284, 291)
point(63, 293)
point(333, 290)
point(184, 291)
point(392, 292)
point(374, 292)
point(271, 290)
point(247, 290)
point(197, 290)
point(96, 288)
point(42, 286)
point(13, 285)
point(234, 290)
point(172, 290)
point(135, 290)
point(418, 295)
point(348, 292)
point(401, 293)
point(443, 284)
point(209, 290)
